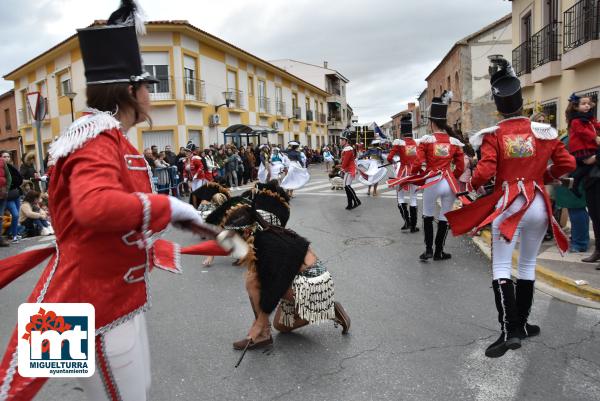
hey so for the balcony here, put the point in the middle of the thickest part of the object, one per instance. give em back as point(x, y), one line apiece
point(163, 90)
point(264, 105)
point(321, 118)
point(581, 33)
point(280, 109)
point(545, 53)
point(23, 117)
point(309, 115)
point(235, 98)
point(335, 123)
point(521, 57)
point(297, 113)
point(195, 90)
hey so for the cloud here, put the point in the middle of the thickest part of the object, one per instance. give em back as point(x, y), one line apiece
point(385, 47)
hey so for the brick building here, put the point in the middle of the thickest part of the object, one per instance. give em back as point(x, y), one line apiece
point(396, 119)
point(9, 132)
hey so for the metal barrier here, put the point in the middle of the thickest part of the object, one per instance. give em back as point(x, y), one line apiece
point(166, 179)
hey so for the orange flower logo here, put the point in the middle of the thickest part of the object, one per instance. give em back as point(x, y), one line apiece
point(44, 321)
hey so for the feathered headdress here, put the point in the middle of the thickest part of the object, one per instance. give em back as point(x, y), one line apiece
point(129, 13)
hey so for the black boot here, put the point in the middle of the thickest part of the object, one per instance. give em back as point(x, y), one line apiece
point(349, 196)
point(404, 213)
point(413, 219)
point(355, 199)
point(428, 230)
point(504, 295)
point(594, 257)
point(524, 296)
point(440, 241)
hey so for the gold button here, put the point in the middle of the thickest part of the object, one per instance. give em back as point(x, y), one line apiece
point(129, 162)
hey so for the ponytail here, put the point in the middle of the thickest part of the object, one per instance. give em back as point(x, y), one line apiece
point(443, 124)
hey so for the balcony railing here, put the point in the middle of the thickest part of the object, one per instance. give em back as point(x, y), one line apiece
point(334, 91)
point(581, 24)
point(545, 45)
point(194, 89)
point(297, 113)
point(309, 115)
point(280, 108)
point(23, 115)
point(264, 105)
point(235, 98)
point(322, 118)
point(522, 58)
point(163, 90)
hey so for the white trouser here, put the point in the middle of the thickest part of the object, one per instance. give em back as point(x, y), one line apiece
point(128, 355)
point(197, 183)
point(347, 179)
point(431, 194)
point(411, 193)
point(530, 230)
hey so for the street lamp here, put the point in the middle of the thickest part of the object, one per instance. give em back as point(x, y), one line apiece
point(71, 96)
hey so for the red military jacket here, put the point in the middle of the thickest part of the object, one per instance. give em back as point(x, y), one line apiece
point(406, 149)
point(348, 160)
point(197, 168)
point(105, 216)
point(582, 137)
point(516, 152)
point(438, 152)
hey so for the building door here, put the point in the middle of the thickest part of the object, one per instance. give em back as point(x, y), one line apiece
point(160, 139)
point(551, 13)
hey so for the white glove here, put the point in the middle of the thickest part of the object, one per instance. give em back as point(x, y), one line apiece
point(233, 243)
point(182, 211)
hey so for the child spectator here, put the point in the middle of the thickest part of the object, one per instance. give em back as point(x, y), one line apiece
point(583, 137)
point(32, 217)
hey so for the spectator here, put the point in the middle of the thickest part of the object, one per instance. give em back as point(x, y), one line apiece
point(150, 158)
point(328, 158)
point(251, 172)
point(209, 160)
point(220, 160)
point(13, 199)
point(28, 170)
point(242, 166)
point(161, 161)
point(154, 150)
point(32, 217)
point(5, 184)
point(231, 166)
point(170, 156)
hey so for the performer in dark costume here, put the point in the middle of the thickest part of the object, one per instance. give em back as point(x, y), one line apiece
point(516, 152)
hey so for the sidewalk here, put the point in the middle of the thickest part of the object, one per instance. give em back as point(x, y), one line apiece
point(563, 272)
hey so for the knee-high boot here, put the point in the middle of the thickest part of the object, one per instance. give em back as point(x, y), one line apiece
point(440, 241)
point(355, 199)
point(428, 230)
point(349, 197)
point(404, 213)
point(524, 296)
point(508, 317)
point(413, 219)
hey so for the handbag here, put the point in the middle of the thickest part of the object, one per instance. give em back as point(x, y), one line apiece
point(13, 194)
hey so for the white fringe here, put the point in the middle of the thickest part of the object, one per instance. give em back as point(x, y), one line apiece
point(427, 139)
point(477, 138)
point(398, 142)
point(313, 300)
point(80, 132)
point(543, 131)
point(456, 142)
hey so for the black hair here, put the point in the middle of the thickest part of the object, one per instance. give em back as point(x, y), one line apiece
point(443, 124)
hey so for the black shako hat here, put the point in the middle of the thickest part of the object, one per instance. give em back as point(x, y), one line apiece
point(439, 106)
point(406, 125)
point(506, 88)
point(111, 53)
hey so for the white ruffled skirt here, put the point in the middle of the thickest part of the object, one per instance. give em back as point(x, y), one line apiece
point(296, 178)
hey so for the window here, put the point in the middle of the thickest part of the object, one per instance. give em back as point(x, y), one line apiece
point(159, 139)
point(449, 84)
point(456, 85)
point(189, 73)
point(526, 27)
point(195, 136)
point(263, 106)
point(262, 89)
point(278, 94)
point(7, 125)
point(157, 65)
point(231, 80)
point(550, 109)
point(251, 86)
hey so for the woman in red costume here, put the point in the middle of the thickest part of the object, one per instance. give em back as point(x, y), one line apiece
point(107, 219)
point(516, 152)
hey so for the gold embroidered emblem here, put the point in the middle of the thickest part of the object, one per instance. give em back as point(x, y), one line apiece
point(518, 146)
point(441, 149)
point(410, 150)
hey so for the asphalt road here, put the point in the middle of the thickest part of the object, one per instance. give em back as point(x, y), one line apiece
point(418, 329)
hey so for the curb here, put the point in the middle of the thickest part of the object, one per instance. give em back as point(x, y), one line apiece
point(554, 279)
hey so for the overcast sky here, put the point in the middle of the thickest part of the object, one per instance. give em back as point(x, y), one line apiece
point(385, 47)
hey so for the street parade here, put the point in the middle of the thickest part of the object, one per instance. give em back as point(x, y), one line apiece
point(172, 232)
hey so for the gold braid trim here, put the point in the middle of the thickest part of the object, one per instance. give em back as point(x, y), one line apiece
point(276, 196)
point(231, 211)
point(220, 188)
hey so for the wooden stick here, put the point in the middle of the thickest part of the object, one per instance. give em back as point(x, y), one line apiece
point(243, 353)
